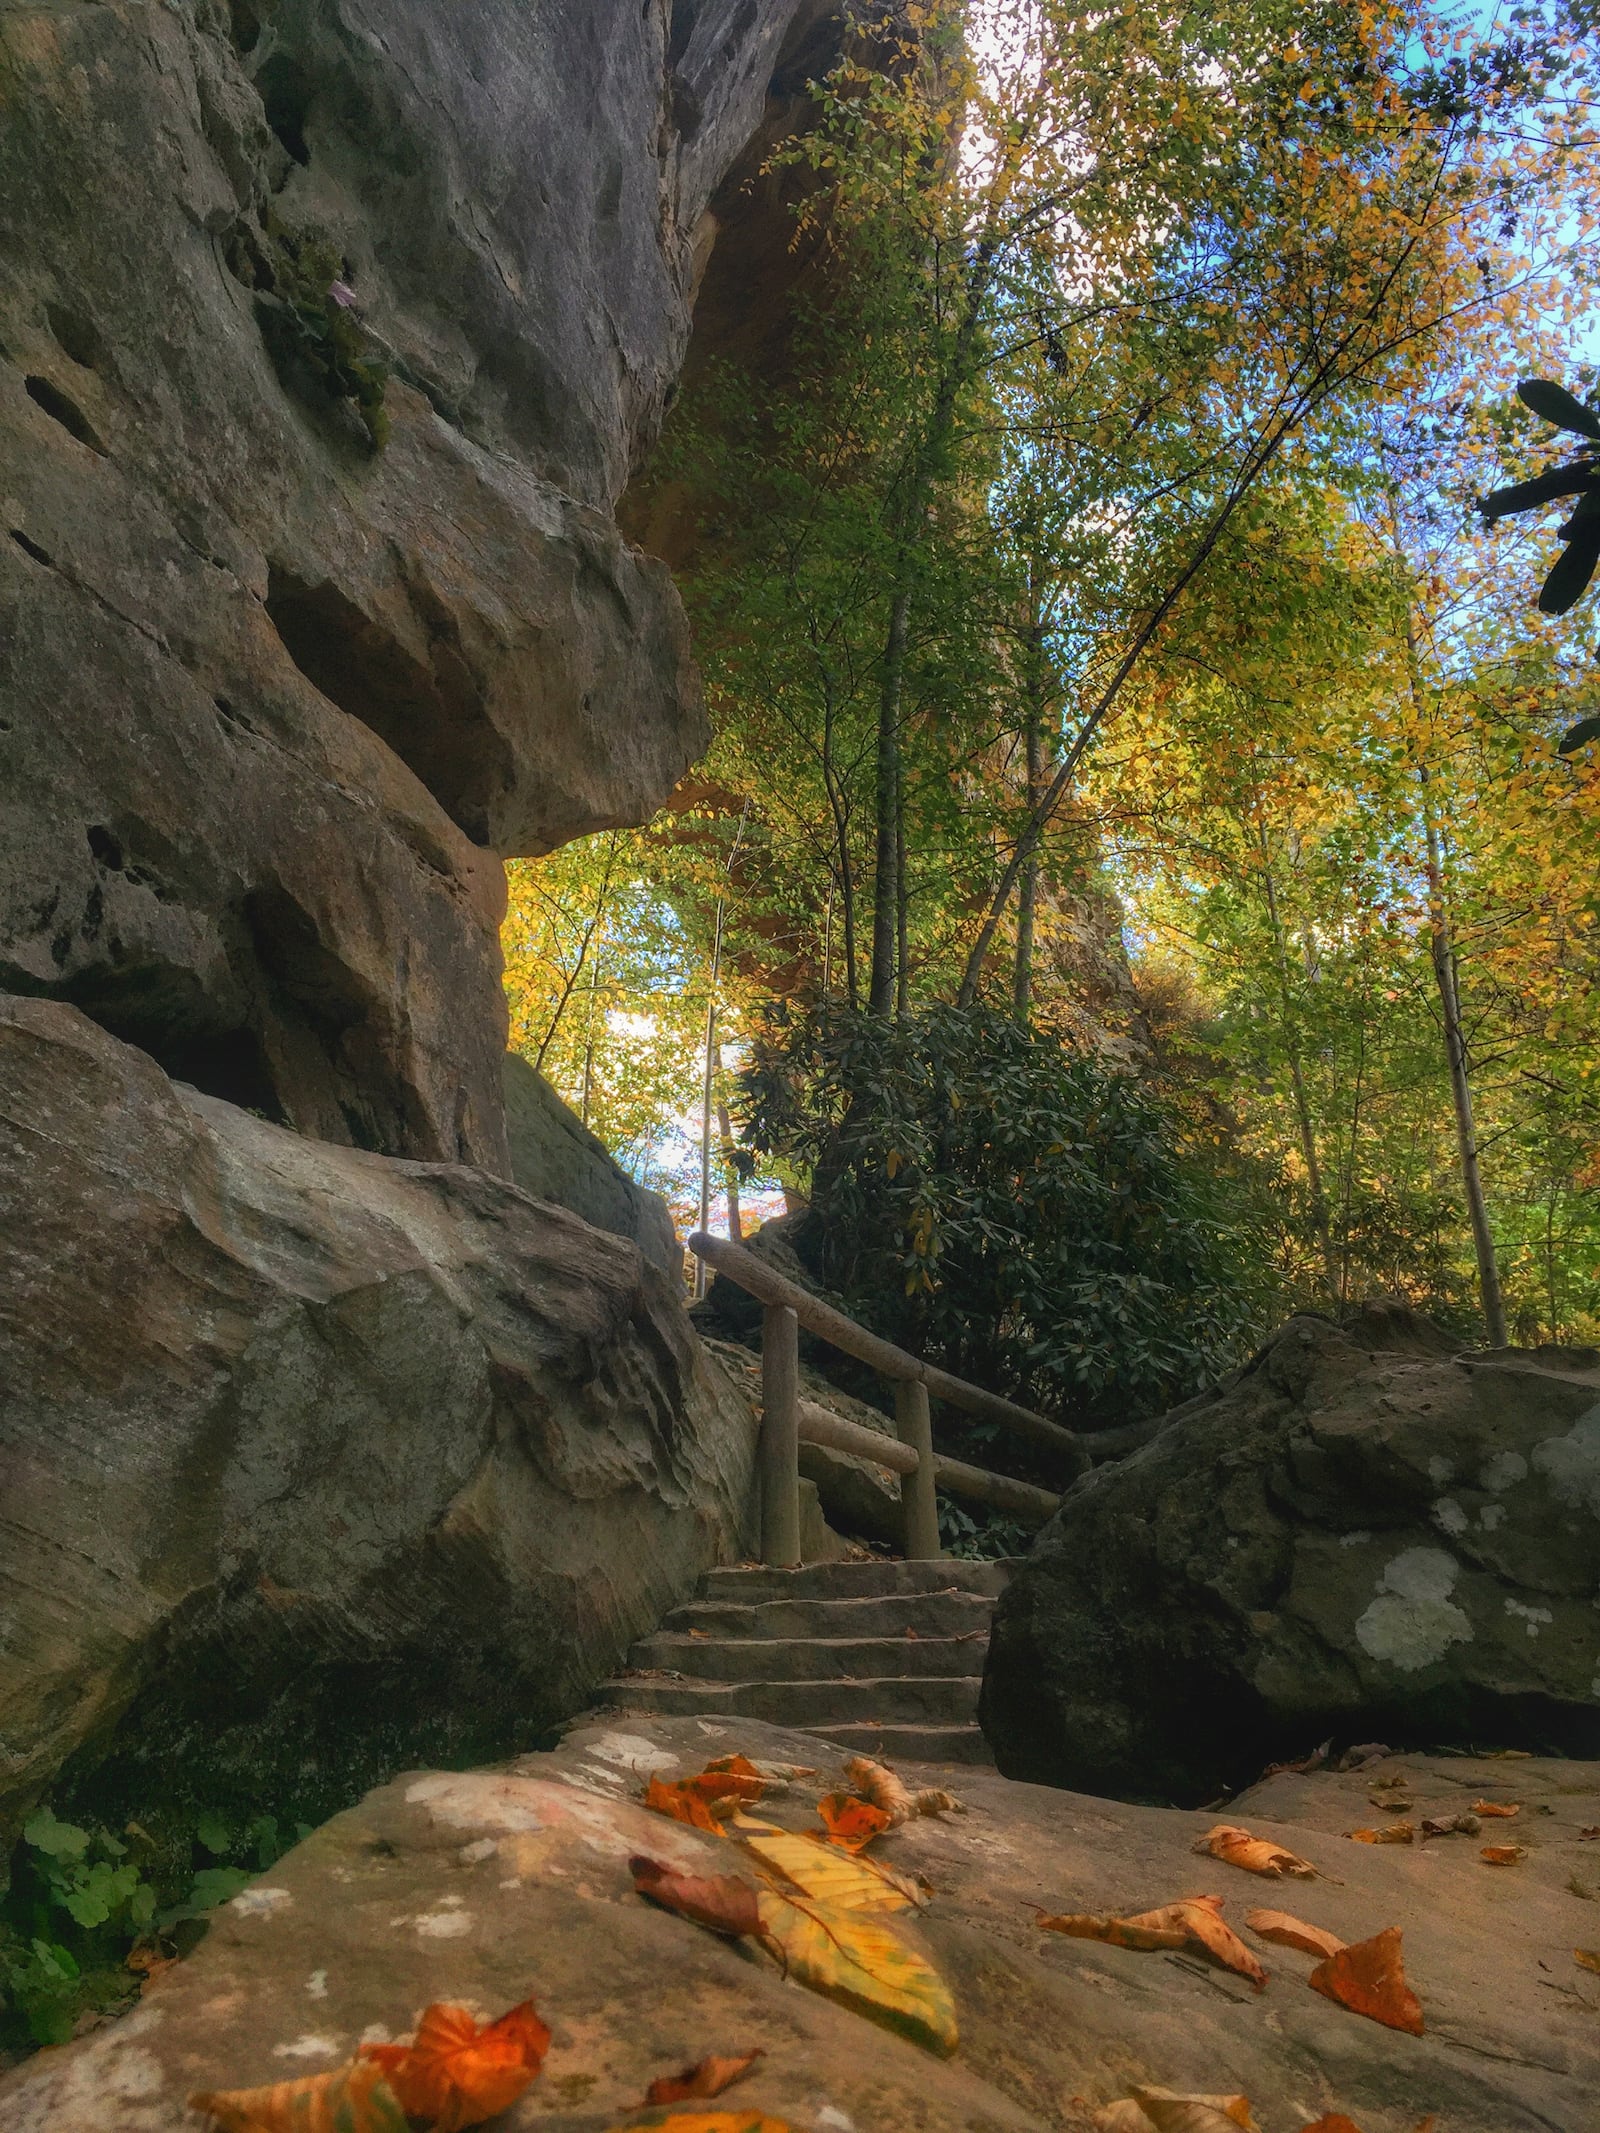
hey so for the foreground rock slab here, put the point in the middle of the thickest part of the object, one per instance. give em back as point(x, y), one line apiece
point(1364, 1534)
point(487, 1886)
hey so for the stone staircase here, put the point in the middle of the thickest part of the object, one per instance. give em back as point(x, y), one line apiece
point(881, 1658)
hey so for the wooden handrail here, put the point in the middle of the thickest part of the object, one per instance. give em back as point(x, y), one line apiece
point(749, 1272)
point(820, 1425)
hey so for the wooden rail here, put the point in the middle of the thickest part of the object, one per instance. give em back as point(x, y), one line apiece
point(787, 1420)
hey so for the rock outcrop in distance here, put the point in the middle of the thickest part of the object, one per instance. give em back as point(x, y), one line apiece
point(1362, 1535)
point(314, 1459)
point(275, 700)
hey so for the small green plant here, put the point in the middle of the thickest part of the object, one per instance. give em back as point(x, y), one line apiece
point(81, 1902)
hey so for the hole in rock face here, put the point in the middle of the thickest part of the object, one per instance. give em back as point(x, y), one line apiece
point(60, 409)
point(245, 25)
point(432, 717)
point(104, 846)
point(164, 1010)
point(76, 336)
point(32, 548)
point(286, 96)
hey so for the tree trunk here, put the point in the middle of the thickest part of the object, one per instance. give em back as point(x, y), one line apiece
point(887, 840)
point(1028, 889)
point(1302, 1106)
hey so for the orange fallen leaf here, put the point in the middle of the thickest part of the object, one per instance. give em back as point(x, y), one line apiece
point(1589, 1958)
point(1257, 1855)
point(1501, 1810)
point(713, 2122)
point(1292, 1932)
point(351, 2099)
point(455, 2074)
point(1369, 1978)
point(1503, 1854)
point(684, 1804)
point(721, 1901)
point(1151, 2110)
point(1396, 1833)
point(883, 1787)
point(734, 1774)
point(1193, 1921)
point(708, 2077)
point(851, 1822)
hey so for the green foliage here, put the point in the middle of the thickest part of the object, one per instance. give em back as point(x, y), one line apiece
point(1022, 1213)
point(81, 1901)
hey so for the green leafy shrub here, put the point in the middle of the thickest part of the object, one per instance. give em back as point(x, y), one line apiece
point(81, 1901)
point(1018, 1212)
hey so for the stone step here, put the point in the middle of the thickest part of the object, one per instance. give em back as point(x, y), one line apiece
point(930, 1614)
point(911, 1744)
point(812, 1658)
point(855, 1581)
point(810, 1706)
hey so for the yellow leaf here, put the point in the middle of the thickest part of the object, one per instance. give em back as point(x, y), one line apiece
point(851, 1958)
point(1589, 1958)
point(1171, 2113)
point(352, 2099)
point(830, 1875)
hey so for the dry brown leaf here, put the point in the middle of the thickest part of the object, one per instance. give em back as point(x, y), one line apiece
point(1202, 1920)
point(1589, 1958)
point(1396, 1833)
point(1169, 2112)
point(883, 1787)
point(713, 2122)
point(722, 1902)
point(1306, 1764)
point(1369, 1978)
point(1594, 1831)
point(1501, 1810)
point(1257, 1855)
point(707, 2077)
point(350, 2099)
point(1116, 1932)
point(1291, 1932)
point(1450, 1826)
point(1503, 1854)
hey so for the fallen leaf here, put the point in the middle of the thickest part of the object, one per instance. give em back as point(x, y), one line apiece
point(1503, 1854)
point(1592, 1832)
point(708, 2077)
point(1500, 1810)
point(1292, 1932)
point(684, 1804)
point(1589, 1958)
point(1172, 2113)
point(1306, 1764)
point(1450, 1826)
point(820, 1869)
point(1358, 1758)
point(1334, 2122)
point(1369, 1978)
point(879, 1784)
point(455, 2074)
point(734, 1774)
point(851, 1957)
point(1194, 1921)
point(850, 1822)
point(1396, 1833)
point(721, 1901)
point(713, 2122)
point(351, 2099)
point(1116, 1932)
point(1396, 1781)
point(1257, 1855)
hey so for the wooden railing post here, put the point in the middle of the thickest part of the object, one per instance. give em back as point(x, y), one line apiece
point(918, 1497)
point(778, 1453)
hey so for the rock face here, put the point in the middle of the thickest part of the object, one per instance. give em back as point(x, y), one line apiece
point(272, 699)
point(312, 1461)
point(554, 1156)
point(489, 1886)
point(1361, 1536)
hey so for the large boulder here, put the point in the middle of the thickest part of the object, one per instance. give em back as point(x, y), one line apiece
point(555, 1157)
point(313, 1462)
point(490, 1886)
point(1363, 1536)
point(275, 700)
